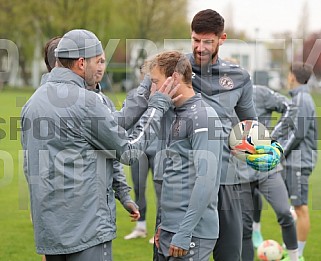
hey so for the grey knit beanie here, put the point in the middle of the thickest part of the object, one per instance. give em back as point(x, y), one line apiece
point(78, 43)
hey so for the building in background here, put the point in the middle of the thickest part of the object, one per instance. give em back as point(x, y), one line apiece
point(255, 57)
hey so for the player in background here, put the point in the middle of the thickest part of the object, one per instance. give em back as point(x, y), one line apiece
point(49, 56)
point(269, 183)
point(139, 174)
point(49, 53)
point(299, 139)
point(189, 220)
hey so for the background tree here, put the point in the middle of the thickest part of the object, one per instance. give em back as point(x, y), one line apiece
point(312, 52)
point(153, 20)
point(30, 23)
point(230, 30)
point(303, 26)
point(282, 56)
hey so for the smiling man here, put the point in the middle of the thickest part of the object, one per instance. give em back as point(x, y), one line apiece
point(228, 89)
point(70, 140)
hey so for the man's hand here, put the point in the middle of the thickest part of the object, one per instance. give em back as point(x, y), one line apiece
point(156, 237)
point(132, 208)
point(176, 251)
point(168, 88)
point(135, 215)
point(267, 157)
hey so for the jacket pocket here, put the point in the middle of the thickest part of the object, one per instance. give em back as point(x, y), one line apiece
point(111, 205)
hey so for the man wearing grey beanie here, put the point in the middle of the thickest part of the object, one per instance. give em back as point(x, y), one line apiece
point(70, 139)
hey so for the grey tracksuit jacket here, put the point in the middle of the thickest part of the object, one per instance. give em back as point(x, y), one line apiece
point(70, 139)
point(228, 89)
point(192, 173)
point(120, 186)
point(299, 135)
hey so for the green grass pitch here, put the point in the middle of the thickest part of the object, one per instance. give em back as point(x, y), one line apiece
point(16, 234)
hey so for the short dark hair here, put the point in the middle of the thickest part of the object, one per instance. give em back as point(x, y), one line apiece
point(208, 21)
point(49, 52)
point(66, 62)
point(69, 62)
point(301, 71)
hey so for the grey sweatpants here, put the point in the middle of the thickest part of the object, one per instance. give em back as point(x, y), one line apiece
point(229, 244)
point(258, 204)
point(199, 250)
point(139, 173)
point(101, 252)
point(275, 192)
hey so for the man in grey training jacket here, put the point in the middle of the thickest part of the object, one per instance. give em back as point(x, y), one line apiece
point(299, 138)
point(228, 89)
point(70, 139)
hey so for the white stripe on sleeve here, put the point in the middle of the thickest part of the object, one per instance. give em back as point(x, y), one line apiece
point(141, 134)
point(201, 130)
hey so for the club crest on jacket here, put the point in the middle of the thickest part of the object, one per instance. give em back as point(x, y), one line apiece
point(226, 82)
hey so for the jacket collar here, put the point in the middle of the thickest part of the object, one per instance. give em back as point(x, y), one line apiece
point(44, 78)
point(65, 75)
point(301, 88)
point(189, 102)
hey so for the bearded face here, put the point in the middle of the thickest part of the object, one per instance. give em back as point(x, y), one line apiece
point(205, 47)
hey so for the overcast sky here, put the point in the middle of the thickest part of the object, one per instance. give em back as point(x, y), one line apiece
point(263, 17)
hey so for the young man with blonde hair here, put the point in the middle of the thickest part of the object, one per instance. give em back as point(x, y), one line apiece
point(189, 219)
